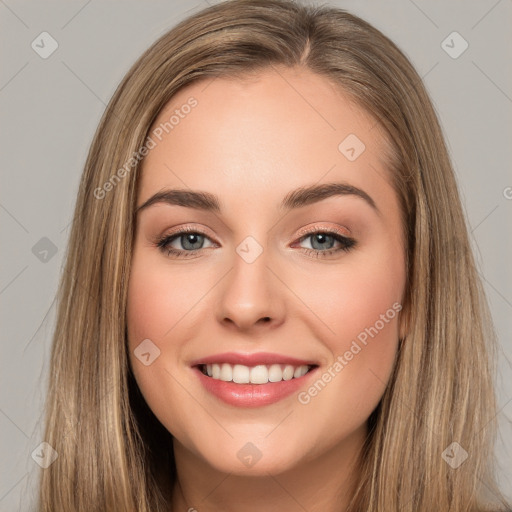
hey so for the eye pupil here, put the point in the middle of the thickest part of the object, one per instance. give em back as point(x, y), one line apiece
point(193, 239)
point(322, 239)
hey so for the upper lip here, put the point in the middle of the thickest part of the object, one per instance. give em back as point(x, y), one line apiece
point(251, 359)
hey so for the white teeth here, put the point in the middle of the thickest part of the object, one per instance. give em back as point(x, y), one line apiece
point(260, 374)
point(226, 372)
point(300, 371)
point(288, 372)
point(241, 374)
point(275, 374)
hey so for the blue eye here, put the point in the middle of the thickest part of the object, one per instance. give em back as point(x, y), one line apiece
point(192, 241)
point(322, 243)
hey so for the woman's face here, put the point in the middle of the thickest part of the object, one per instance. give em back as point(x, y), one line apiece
point(277, 272)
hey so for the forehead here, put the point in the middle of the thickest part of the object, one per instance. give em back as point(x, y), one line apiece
point(255, 138)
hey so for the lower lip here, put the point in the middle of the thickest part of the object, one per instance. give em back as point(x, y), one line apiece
point(252, 395)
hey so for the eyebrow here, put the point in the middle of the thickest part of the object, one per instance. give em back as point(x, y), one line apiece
point(297, 198)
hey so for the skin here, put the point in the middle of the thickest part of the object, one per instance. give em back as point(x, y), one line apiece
point(251, 142)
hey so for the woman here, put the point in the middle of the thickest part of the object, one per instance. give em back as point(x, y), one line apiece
point(270, 300)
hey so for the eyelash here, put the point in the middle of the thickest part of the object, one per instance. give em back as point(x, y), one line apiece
point(346, 243)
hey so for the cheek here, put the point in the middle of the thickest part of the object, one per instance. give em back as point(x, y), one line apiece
point(153, 308)
point(165, 306)
point(147, 305)
point(158, 299)
point(157, 302)
point(360, 304)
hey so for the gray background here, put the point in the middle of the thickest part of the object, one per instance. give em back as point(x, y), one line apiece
point(50, 109)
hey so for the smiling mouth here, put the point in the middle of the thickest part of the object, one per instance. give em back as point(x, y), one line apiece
point(259, 374)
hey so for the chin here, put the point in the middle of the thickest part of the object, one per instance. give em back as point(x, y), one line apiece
point(246, 458)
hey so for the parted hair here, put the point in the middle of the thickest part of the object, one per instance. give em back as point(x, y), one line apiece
point(113, 453)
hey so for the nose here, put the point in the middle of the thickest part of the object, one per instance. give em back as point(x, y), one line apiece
point(251, 296)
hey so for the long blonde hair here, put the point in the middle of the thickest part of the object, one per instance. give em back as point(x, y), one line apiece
point(113, 453)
